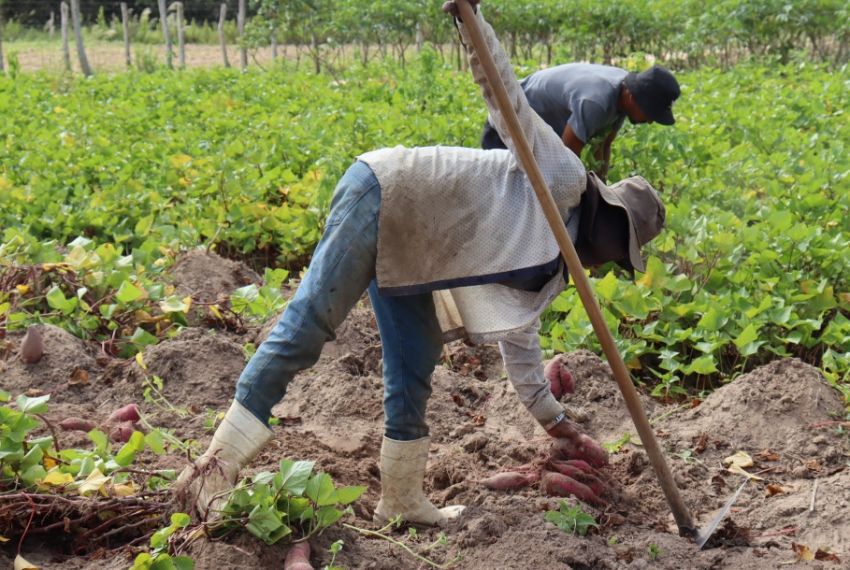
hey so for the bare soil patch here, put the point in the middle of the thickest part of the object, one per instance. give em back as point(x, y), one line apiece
point(783, 415)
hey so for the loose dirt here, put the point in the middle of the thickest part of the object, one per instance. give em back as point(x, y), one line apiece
point(784, 415)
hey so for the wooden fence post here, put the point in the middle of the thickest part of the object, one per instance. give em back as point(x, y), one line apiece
point(66, 52)
point(2, 60)
point(181, 43)
point(163, 16)
point(50, 26)
point(78, 33)
point(240, 25)
point(125, 22)
point(221, 19)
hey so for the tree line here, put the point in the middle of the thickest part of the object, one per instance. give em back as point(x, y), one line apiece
point(686, 33)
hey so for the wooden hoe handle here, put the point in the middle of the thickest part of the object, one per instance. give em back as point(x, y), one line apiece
point(582, 284)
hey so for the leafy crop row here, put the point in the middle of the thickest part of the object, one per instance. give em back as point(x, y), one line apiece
point(109, 177)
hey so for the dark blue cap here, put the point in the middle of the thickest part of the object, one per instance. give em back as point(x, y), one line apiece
point(654, 91)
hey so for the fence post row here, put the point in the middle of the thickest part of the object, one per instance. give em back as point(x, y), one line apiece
point(181, 44)
point(66, 52)
point(125, 23)
point(221, 19)
point(2, 60)
point(163, 17)
point(240, 24)
point(78, 33)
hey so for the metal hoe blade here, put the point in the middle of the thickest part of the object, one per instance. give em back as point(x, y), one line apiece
point(706, 532)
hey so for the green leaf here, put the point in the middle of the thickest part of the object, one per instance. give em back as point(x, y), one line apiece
point(320, 490)
point(128, 451)
point(128, 293)
point(155, 442)
point(180, 520)
point(748, 335)
point(101, 441)
point(702, 365)
point(347, 495)
point(607, 286)
point(294, 475)
point(37, 405)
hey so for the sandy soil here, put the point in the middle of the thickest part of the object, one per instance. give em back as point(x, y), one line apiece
point(783, 415)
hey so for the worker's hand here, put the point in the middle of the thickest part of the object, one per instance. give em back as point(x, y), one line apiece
point(452, 9)
point(570, 443)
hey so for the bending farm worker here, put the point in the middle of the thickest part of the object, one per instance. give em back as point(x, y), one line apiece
point(448, 242)
point(584, 101)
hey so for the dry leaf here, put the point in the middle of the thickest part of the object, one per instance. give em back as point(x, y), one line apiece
point(738, 470)
point(57, 479)
point(826, 555)
point(3, 538)
point(79, 377)
point(740, 458)
point(775, 489)
point(123, 490)
point(22, 564)
point(93, 483)
point(34, 393)
point(803, 552)
point(813, 465)
point(767, 455)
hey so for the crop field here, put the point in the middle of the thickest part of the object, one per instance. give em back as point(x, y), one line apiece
point(154, 224)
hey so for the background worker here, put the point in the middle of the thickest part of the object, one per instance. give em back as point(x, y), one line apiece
point(447, 241)
point(585, 101)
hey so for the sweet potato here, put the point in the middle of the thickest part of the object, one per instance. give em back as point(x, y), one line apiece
point(76, 424)
point(560, 379)
point(573, 472)
point(563, 486)
point(582, 447)
point(128, 413)
point(508, 481)
point(298, 557)
point(121, 433)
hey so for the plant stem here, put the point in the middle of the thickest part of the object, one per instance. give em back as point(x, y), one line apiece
point(381, 535)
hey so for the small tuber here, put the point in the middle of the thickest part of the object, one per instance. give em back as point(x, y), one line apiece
point(76, 424)
point(128, 413)
point(298, 557)
point(560, 379)
point(32, 346)
point(122, 432)
point(564, 486)
point(508, 481)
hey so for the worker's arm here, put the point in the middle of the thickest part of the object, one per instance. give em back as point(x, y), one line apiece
point(544, 143)
point(571, 141)
point(602, 154)
point(523, 362)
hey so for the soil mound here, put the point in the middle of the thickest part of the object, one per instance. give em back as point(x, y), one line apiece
point(208, 277)
point(67, 364)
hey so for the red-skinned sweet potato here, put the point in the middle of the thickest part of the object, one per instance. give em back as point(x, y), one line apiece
point(298, 557)
point(508, 481)
point(560, 379)
point(585, 477)
point(564, 486)
point(582, 447)
point(76, 424)
point(128, 413)
point(121, 433)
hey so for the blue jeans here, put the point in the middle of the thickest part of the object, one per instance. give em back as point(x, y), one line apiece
point(342, 268)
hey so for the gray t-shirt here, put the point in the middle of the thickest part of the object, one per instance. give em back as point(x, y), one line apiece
point(582, 95)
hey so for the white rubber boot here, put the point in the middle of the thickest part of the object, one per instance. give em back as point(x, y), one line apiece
point(402, 475)
point(238, 439)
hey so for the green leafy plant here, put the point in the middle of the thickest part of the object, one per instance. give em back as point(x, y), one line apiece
point(654, 552)
point(571, 519)
point(293, 502)
point(158, 558)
